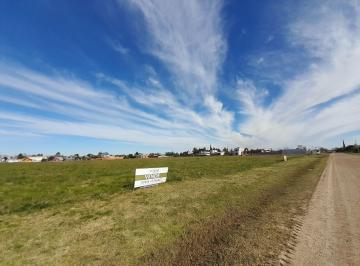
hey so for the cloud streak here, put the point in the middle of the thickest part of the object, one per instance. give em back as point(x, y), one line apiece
point(323, 101)
point(187, 37)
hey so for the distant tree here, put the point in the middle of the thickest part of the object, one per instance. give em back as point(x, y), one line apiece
point(184, 154)
point(58, 154)
point(20, 156)
point(130, 156)
point(171, 153)
point(5, 159)
point(76, 156)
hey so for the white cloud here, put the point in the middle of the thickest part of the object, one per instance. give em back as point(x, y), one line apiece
point(94, 112)
point(118, 47)
point(187, 36)
point(317, 105)
point(322, 102)
point(269, 39)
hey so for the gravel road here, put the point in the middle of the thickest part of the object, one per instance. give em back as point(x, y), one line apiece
point(330, 234)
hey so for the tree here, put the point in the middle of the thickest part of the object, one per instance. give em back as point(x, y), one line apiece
point(171, 153)
point(20, 156)
point(130, 156)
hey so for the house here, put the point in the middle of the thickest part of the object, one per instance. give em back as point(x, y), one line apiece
point(315, 151)
point(59, 159)
point(37, 159)
point(204, 153)
point(69, 158)
point(238, 151)
point(112, 157)
point(13, 160)
point(142, 156)
point(26, 160)
point(300, 149)
point(215, 152)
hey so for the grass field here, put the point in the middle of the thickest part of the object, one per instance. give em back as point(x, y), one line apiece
point(223, 210)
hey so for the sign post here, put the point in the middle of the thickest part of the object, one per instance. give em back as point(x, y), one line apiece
point(145, 177)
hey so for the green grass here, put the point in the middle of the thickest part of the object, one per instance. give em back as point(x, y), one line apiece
point(225, 210)
point(30, 187)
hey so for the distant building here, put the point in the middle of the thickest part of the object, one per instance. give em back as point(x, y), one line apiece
point(238, 151)
point(300, 149)
point(112, 157)
point(37, 159)
point(266, 150)
point(142, 156)
point(204, 153)
point(69, 158)
point(26, 160)
point(59, 159)
point(13, 160)
point(215, 152)
point(315, 151)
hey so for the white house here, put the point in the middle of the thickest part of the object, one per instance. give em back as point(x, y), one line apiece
point(37, 159)
point(204, 153)
point(12, 160)
point(238, 151)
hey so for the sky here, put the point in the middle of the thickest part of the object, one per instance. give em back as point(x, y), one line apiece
point(159, 75)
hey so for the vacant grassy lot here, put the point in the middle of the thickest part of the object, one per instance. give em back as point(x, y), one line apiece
point(29, 187)
point(224, 210)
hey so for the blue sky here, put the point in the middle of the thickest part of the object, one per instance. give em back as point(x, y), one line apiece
point(159, 75)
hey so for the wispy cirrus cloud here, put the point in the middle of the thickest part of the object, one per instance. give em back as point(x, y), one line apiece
point(323, 101)
point(118, 47)
point(68, 106)
point(187, 36)
point(317, 102)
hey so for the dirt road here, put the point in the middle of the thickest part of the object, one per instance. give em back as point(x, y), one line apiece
point(330, 234)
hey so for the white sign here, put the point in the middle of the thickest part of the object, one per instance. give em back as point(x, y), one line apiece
point(150, 176)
